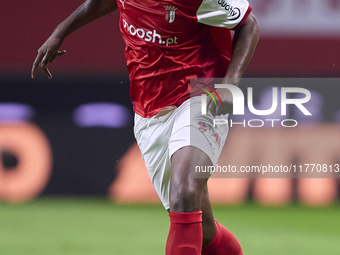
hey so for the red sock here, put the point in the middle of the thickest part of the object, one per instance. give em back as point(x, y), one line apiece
point(224, 243)
point(185, 235)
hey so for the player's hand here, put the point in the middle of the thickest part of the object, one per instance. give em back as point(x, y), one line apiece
point(47, 53)
point(227, 103)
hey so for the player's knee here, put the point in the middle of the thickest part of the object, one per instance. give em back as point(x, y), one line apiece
point(185, 200)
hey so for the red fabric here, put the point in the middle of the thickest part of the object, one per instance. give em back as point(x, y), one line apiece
point(224, 243)
point(185, 235)
point(222, 37)
point(163, 55)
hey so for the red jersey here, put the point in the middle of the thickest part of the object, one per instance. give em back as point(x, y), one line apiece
point(170, 42)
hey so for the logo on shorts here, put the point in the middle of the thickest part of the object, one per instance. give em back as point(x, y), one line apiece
point(170, 13)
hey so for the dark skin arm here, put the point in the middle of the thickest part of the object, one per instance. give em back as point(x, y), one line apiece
point(244, 44)
point(89, 11)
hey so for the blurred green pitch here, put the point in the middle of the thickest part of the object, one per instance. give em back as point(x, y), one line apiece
point(99, 227)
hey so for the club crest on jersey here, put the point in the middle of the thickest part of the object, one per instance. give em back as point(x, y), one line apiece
point(170, 13)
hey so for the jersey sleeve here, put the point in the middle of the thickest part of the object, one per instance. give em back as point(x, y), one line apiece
point(223, 13)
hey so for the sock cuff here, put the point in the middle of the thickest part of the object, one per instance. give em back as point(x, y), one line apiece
point(185, 218)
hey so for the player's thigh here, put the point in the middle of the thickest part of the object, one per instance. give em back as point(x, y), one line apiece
point(193, 146)
point(192, 128)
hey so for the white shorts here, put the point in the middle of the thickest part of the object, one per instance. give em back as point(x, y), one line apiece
point(160, 136)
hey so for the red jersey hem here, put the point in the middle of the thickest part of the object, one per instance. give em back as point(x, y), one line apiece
point(154, 112)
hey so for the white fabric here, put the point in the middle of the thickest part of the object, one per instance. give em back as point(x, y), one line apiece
point(160, 137)
point(222, 13)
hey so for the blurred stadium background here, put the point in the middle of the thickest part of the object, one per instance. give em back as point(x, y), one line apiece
point(72, 180)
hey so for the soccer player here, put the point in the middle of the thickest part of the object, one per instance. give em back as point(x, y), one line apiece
point(167, 44)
